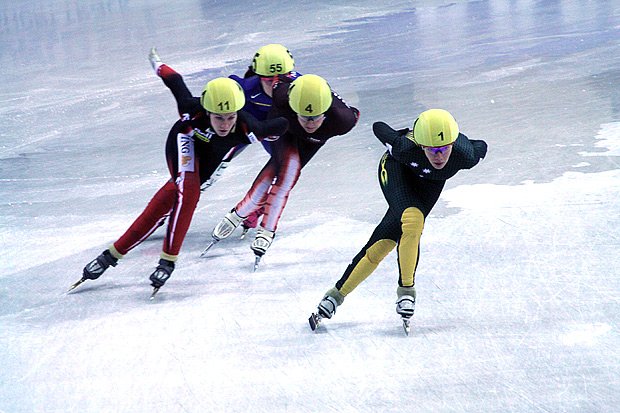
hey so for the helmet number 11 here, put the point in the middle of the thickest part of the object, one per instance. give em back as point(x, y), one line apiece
point(224, 105)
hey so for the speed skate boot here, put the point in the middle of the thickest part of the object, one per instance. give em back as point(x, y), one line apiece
point(332, 299)
point(227, 225)
point(96, 267)
point(326, 308)
point(155, 59)
point(263, 241)
point(162, 273)
point(405, 304)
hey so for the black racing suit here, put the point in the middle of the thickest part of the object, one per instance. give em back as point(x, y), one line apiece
point(411, 187)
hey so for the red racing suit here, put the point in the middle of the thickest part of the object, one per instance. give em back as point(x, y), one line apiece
point(193, 152)
point(290, 154)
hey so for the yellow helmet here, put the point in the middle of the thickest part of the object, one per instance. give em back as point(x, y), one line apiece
point(272, 59)
point(222, 95)
point(309, 95)
point(434, 127)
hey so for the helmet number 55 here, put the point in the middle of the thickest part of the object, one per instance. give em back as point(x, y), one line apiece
point(275, 67)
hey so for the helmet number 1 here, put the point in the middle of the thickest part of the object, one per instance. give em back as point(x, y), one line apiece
point(440, 134)
point(275, 67)
point(224, 105)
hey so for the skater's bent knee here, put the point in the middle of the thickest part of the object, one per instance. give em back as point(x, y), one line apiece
point(413, 221)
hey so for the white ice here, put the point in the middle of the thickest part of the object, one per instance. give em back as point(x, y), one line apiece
point(518, 282)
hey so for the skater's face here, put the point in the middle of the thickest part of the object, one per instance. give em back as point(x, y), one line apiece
point(267, 83)
point(311, 123)
point(222, 123)
point(438, 156)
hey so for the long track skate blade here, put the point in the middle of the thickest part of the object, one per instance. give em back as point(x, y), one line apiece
point(211, 244)
point(154, 293)
point(76, 284)
point(314, 321)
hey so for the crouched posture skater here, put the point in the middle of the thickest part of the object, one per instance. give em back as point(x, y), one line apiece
point(412, 174)
point(315, 114)
point(269, 62)
point(210, 126)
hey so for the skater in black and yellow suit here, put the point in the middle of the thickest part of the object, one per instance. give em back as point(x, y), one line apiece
point(412, 174)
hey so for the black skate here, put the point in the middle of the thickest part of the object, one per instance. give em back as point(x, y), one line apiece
point(326, 309)
point(161, 274)
point(95, 268)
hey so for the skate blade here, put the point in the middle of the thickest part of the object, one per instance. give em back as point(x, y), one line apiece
point(211, 244)
point(155, 290)
point(244, 233)
point(256, 262)
point(407, 325)
point(76, 285)
point(314, 321)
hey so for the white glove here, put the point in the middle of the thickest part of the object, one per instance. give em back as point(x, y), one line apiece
point(215, 176)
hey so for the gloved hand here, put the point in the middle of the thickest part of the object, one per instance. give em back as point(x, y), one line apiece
point(217, 174)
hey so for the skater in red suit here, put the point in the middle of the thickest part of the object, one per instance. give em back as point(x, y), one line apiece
point(269, 64)
point(210, 126)
point(315, 114)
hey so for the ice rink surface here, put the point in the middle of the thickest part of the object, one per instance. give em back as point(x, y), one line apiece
point(518, 281)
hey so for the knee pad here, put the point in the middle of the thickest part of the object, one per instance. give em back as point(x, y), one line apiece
point(412, 221)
